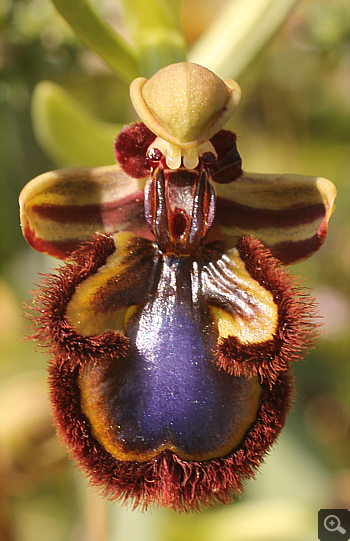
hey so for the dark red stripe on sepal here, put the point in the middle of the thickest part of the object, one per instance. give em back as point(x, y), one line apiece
point(298, 250)
point(233, 214)
point(107, 215)
point(125, 214)
point(61, 249)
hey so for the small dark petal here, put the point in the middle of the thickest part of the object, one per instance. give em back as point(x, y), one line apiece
point(224, 141)
point(229, 164)
point(166, 480)
point(297, 328)
point(130, 149)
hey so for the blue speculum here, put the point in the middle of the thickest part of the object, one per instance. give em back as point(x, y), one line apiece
point(168, 393)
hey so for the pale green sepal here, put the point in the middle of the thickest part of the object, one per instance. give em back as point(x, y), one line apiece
point(98, 36)
point(154, 27)
point(67, 132)
point(238, 34)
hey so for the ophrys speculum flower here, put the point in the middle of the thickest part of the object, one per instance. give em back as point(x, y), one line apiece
point(172, 330)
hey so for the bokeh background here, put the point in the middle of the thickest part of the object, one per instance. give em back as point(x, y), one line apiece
point(294, 118)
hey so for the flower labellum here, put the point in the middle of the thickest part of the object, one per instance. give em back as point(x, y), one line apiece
point(172, 325)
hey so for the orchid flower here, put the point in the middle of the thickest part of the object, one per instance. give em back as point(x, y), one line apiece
point(173, 323)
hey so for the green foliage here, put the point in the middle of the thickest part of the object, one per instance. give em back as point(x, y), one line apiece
point(99, 36)
point(59, 120)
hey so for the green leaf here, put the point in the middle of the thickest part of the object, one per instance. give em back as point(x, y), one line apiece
point(154, 27)
point(68, 133)
point(98, 36)
point(238, 34)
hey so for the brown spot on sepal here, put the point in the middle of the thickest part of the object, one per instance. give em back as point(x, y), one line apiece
point(297, 326)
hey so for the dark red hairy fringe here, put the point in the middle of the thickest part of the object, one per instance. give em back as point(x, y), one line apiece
point(50, 327)
point(167, 480)
point(296, 331)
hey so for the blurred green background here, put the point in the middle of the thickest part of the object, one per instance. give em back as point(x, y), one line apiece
point(294, 118)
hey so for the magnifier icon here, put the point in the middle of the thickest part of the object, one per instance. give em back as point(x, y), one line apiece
point(332, 524)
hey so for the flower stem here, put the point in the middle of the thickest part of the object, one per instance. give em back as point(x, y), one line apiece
point(154, 27)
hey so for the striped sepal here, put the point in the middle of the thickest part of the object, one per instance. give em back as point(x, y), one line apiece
point(63, 208)
point(288, 213)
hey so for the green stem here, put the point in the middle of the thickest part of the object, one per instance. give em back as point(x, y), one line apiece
point(154, 27)
point(99, 37)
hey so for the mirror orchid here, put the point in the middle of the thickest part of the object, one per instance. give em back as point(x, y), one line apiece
point(173, 323)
